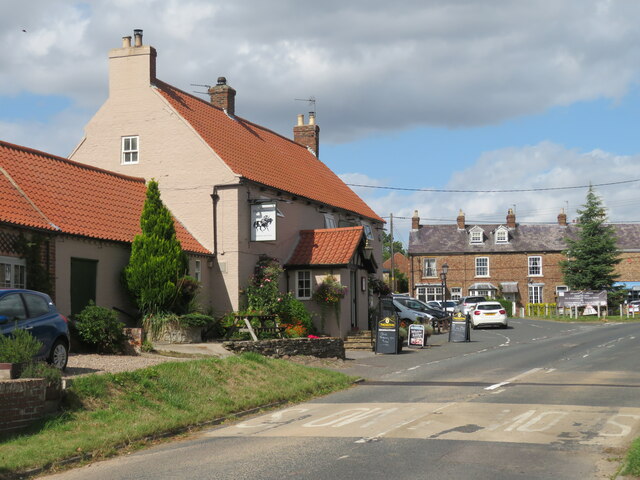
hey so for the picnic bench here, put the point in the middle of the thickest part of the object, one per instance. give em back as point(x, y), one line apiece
point(243, 323)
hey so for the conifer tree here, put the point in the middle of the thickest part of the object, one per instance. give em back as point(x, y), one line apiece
point(592, 255)
point(157, 261)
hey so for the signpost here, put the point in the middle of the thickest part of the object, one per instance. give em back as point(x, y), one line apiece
point(459, 330)
point(416, 335)
point(387, 328)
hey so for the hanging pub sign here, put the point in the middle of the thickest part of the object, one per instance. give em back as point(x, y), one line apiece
point(263, 222)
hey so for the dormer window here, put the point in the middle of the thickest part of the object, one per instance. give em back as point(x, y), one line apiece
point(476, 235)
point(502, 235)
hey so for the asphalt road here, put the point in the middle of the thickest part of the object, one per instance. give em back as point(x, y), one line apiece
point(539, 400)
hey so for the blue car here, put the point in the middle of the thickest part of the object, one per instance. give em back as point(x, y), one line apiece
point(36, 313)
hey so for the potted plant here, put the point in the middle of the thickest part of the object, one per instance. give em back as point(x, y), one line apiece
point(16, 350)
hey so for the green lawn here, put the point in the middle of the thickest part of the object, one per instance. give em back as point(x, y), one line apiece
point(106, 413)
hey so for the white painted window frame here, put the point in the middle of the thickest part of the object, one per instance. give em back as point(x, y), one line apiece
point(130, 155)
point(304, 286)
point(535, 266)
point(479, 267)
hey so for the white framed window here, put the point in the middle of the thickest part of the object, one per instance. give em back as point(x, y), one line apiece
point(13, 272)
point(535, 266)
point(481, 292)
point(560, 289)
point(456, 293)
point(430, 268)
point(197, 271)
point(535, 293)
point(303, 284)
point(502, 235)
point(429, 293)
point(476, 235)
point(130, 150)
point(482, 266)
point(329, 221)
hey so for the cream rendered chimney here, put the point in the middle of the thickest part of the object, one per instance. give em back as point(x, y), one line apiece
point(130, 67)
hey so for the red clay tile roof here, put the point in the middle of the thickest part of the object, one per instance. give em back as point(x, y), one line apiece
point(400, 263)
point(327, 246)
point(263, 156)
point(44, 191)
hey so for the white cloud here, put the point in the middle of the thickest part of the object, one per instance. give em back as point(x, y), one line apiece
point(540, 166)
point(389, 66)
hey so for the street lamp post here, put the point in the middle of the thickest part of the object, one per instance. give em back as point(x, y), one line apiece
point(443, 277)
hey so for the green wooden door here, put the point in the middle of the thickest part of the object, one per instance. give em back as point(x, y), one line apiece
point(83, 283)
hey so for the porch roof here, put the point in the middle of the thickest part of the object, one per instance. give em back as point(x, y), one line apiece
point(327, 246)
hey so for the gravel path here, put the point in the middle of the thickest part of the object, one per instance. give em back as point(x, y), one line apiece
point(82, 364)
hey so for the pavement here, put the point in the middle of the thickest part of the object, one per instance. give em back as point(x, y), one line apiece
point(215, 349)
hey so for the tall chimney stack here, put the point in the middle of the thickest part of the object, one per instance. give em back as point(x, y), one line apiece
point(308, 135)
point(415, 221)
point(460, 220)
point(562, 218)
point(131, 67)
point(511, 218)
point(223, 96)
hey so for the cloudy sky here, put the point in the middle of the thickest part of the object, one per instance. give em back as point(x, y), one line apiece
point(456, 96)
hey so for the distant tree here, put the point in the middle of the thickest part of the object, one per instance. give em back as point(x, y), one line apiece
point(157, 264)
point(592, 255)
point(386, 246)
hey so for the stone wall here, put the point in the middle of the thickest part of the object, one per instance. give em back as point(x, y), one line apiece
point(328, 347)
point(21, 402)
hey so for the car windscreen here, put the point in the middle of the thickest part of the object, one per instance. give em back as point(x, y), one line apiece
point(489, 306)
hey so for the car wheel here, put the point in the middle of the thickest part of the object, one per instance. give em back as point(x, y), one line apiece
point(59, 355)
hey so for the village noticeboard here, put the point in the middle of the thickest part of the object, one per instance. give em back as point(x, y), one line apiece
point(583, 298)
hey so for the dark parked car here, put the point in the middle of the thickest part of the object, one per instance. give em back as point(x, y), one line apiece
point(36, 313)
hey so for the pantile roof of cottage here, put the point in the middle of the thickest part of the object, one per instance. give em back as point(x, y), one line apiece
point(433, 239)
point(263, 156)
point(327, 246)
point(43, 191)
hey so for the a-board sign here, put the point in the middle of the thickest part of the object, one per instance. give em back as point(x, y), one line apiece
point(416, 335)
point(459, 331)
point(387, 335)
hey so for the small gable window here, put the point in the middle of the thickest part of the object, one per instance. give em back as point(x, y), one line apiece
point(502, 235)
point(130, 150)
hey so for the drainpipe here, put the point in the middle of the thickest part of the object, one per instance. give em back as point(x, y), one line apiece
point(215, 198)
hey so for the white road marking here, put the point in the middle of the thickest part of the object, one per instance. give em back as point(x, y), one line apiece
point(497, 385)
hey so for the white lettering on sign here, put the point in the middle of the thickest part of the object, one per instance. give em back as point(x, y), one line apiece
point(624, 429)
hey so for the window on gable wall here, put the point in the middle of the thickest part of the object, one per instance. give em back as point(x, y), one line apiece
point(197, 273)
point(502, 236)
point(535, 266)
point(430, 268)
point(303, 284)
point(130, 149)
point(482, 266)
point(13, 272)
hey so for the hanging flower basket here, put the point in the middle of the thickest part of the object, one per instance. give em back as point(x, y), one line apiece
point(328, 294)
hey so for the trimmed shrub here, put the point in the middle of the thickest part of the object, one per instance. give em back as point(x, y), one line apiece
point(51, 374)
point(100, 328)
point(18, 347)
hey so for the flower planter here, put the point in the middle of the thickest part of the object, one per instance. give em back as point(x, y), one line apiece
point(178, 334)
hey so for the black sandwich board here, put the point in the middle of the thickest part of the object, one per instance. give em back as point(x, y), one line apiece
point(387, 328)
point(416, 336)
point(459, 330)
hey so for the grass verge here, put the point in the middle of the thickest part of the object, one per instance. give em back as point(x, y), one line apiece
point(103, 413)
point(632, 460)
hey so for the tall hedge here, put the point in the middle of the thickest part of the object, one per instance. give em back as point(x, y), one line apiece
point(157, 261)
